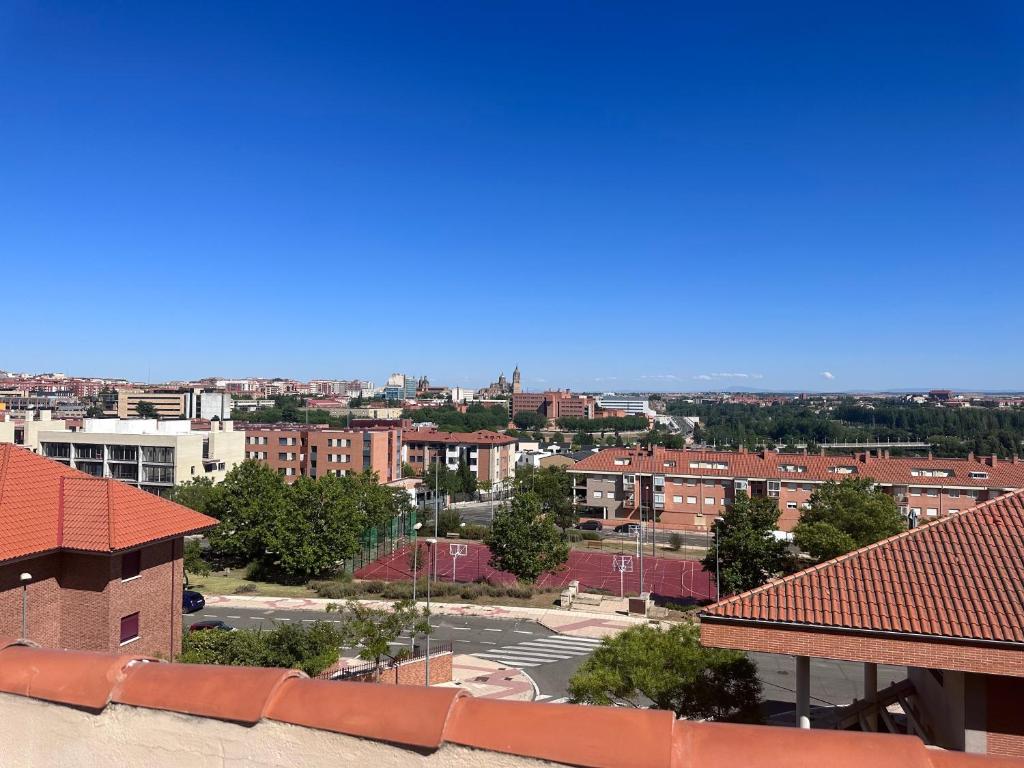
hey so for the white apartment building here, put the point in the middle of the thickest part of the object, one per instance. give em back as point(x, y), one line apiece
point(149, 454)
point(633, 406)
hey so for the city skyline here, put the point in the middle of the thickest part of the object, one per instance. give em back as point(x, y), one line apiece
point(644, 198)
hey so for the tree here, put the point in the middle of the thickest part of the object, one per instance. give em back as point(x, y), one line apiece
point(465, 478)
point(375, 630)
point(193, 559)
point(538, 436)
point(408, 470)
point(558, 437)
point(530, 420)
point(437, 477)
point(319, 530)
point(553, 486)
point(251, 503)
point(845, 516)
point(524, 540)
point(748, 552)
point(145, 410)
point(95, 411)
point(671, 669)
point(311, 649)
point(199, 494)
point(448, 521)
point(378, 503)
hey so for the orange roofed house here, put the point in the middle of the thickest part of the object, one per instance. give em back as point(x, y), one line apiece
point(96, 563)
point(945, 600)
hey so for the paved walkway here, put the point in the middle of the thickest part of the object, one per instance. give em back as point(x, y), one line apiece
point(582, 623)
point(488, 679)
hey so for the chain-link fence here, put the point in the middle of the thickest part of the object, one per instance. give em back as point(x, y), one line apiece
point(381, 540)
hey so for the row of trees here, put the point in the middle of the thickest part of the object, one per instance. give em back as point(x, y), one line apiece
point(451, 420)
point(841, 517)
point(603, 426)
point(290, 532)
point(951, 431)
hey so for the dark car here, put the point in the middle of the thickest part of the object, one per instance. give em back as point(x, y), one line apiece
point(590, 525)
point(199, 626)
point(630, 528)
point(192, 601)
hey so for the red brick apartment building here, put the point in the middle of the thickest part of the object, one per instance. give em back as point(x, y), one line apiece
point(316, 450)
point(554, 405)
point(490, 455)
point(690, 488)
point(97, 562)
point(944, 600)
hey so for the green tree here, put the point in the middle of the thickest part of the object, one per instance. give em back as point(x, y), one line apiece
point(524, 540)
point(465, 478)
point(378, 503)
point(671, 669)
point(408, 470)
point(448, 521)
point(200, 494)
point(748, 552)
point(311, 649)
point(375, 630)
point(193, 559)
point(145, 410)
point(558, 437)
point(95, 411)
point(319, 530)
point(847, 515)
point(530, 420)
point(250, 505)
point(553, 486)
point(438, 477)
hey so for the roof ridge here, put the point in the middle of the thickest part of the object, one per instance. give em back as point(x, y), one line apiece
point(5, 458)
point(110, 514)
point(857, 553)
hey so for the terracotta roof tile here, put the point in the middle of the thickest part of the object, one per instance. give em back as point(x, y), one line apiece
point(426, 719)
point(960, 577)
point(45, 505)
point(480, 437)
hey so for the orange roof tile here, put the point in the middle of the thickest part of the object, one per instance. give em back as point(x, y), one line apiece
point(429, 719)
point(769, 466)
point(480, 437)
point(45, 505)
point(960, 577)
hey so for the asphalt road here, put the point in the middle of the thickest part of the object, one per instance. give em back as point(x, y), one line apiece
point(552, 659)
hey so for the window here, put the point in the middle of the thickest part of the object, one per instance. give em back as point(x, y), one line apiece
point(932, 512)
point(915, 510)
point(282, 456)
point(915, 491)
point(933, 492)
point(798, 468)
point(843, 470)
point(773, 488)
point(622, 462)
point(741, 485)
point(954, 494)
point(677, 499)
point(790, 505)
point(129, 628)
point(709, 501)
point(978, 475)
point(708, 465)
point(131, 565)
point(598, 494)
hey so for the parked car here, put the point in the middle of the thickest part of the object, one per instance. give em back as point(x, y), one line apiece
point(630, 528)
point(590, 525)
point(199, 626)
point(192, 601)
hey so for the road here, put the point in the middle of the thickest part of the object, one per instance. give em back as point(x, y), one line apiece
point(551, 659)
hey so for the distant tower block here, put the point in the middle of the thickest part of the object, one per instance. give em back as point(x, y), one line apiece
point(517, 381)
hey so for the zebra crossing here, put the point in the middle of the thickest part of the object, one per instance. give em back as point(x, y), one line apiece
point(545, 650)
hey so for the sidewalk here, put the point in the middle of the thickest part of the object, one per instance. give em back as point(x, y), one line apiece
point(581, 623)
point(488, 679)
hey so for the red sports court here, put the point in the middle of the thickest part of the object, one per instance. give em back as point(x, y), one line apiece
point(663, 576)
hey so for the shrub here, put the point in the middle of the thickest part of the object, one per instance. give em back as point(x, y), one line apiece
point(245, 589)
point(675, 541)
point(335, 590)
point(590, 535)
point(397, 590)
point(471, 591)
point(373, 587)
point(523, 591)
point(573, 536)
point(475, 532)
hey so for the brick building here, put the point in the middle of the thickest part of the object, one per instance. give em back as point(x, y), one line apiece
point(316, 450)
point(554, 405)
point(943, 600)
point(101, 560)
point(491, 456)
point(690, 488)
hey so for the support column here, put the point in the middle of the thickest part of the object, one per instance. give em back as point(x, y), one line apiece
point(803, 691)
point(871, 694)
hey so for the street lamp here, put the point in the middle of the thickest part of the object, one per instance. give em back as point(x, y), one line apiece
point(415, 572)
point(25, 579)
point(718, 578)
point(455, 558)
point(431, 543)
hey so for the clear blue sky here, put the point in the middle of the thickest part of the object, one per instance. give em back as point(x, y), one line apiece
point(612, 195)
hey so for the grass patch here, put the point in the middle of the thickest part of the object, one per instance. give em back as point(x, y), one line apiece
point(233, 582)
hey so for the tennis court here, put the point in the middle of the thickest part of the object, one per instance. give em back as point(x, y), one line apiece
point(667, 577)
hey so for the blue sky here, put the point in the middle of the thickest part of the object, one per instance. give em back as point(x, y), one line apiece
point(612, 195)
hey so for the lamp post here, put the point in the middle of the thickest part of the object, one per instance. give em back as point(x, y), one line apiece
point(718, 578)
point(415, 574)
point(431, 542)
point(437, 502)
point(25, 579)
point(455, 558)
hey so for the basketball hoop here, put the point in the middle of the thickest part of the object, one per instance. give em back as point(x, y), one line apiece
point(623, 564)
point(457, 551)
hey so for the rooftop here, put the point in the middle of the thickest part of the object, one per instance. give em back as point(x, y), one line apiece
point(988, 472)
point(480, 437)
point(91, 709)
point(45, 505)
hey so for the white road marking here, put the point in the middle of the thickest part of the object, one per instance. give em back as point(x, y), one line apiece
point(493, 629)
point(234, 617)
point(487, 642)
point(463, 629)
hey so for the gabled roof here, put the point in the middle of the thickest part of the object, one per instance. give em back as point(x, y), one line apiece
point(480, 437)
point(45, 505)
point(961, 577)
point(769, 465)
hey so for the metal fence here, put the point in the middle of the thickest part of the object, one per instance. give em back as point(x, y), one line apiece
point(378, 541)
point(373, 669)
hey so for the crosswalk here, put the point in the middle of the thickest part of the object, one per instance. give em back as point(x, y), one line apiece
point(547, 698)
point(544, 650)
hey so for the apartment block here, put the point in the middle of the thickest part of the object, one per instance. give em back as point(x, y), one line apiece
point(690, 488)
point(490, 455)
point(149, 454)
point(294, 450)
point(176, 404)
point(554, 405)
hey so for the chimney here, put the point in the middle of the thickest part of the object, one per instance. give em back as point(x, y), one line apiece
point(970, 456)
point(1016, 460)
point(804, 450)
point(821, 451)
point(929, 454)
point(992, 460)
